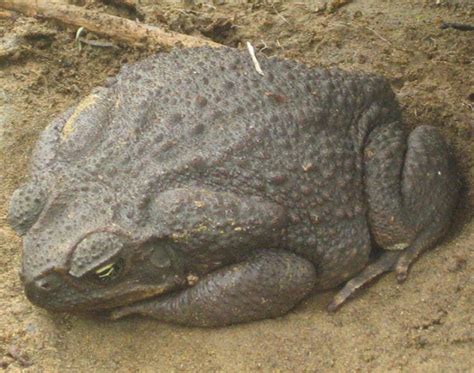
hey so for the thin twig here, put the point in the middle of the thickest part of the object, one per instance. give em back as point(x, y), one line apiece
point(7, 14)
point(332, 6)
point(254, 59)
point(378, 35)
point(265, 46)
point(457, 26)
point(279, 15)
point(118, 28)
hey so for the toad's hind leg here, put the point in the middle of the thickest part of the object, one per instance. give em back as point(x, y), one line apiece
point(265, 285)
point(412, 189)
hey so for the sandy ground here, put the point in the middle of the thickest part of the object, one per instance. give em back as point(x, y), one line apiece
point(425, 324)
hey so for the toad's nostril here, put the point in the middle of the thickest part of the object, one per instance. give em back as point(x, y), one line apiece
point(44, 284)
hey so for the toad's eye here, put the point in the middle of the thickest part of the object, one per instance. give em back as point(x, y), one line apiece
point(108, 272)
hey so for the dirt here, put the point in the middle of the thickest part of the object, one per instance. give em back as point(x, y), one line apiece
point(424, 324)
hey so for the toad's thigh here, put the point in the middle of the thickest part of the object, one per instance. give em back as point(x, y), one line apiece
point(343, 250)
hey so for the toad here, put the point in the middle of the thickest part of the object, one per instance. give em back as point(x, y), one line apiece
point(193, 189)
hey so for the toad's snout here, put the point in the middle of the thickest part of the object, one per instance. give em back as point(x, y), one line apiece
point(43, 291)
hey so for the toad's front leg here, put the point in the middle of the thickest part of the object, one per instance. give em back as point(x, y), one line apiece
point(266, 285)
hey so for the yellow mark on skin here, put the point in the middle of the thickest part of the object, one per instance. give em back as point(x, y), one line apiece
point(307, 166)
point(179, 236)
point(192, 279)
point(199, 204)
point(83, 105)
point(184, 236)
point(397, 246)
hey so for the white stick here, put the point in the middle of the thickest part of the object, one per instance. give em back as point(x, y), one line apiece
point(254, 59)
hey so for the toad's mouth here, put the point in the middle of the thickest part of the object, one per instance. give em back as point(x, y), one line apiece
point(150, 303)
point(113, 303)
point(139, 307)
point(105, 301)
point(153, 300)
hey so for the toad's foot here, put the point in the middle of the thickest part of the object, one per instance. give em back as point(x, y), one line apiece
point(398, 261)
point(384, 264)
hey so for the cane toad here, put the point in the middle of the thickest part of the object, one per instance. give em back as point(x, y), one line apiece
point(194, 189)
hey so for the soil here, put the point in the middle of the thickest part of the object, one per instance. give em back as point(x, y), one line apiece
point(424, 324)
